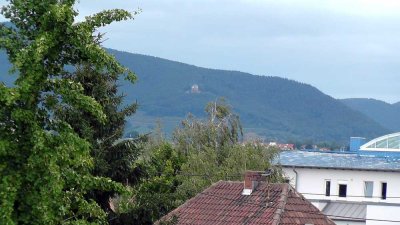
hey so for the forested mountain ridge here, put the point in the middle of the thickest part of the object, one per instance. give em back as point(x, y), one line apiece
point(384, 113)
point(272, 107)
point(269, 106)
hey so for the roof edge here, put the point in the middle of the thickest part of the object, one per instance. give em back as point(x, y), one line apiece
point(340, 168)
point(171, 213)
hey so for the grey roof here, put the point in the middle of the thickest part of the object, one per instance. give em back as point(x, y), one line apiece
point(346, 211)
point(334, 160)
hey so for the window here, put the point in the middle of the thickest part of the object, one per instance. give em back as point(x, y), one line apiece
point(384, 190)
point(368, 189)
point(342, 190)
point(327, 188)
point(382, 144)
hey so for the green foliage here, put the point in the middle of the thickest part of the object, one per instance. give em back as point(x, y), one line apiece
point(219, 132)
point(214, 152)
point(156, 194)
point(44, 164)
point(113, 156)
point(203, 152)
point(203, 168)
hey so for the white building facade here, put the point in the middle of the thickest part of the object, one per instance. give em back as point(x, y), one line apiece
point(353, 188)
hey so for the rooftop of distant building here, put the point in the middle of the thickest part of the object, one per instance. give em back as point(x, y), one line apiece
point(337, 160)
point(379, 154)
point(389, 142)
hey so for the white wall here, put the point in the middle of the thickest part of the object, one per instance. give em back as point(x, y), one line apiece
point(339, 222)
point(382, 212)
point(313, 181)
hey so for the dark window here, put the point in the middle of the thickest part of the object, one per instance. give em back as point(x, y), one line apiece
point(342, 190)
point(384, 190)
point(328, 188)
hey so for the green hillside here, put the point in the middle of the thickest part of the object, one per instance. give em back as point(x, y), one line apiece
point(272, 107)
point(384, 113)
point(4, 67)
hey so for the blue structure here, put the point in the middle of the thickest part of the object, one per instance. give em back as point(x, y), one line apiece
point(384, 146)
point(355, 143)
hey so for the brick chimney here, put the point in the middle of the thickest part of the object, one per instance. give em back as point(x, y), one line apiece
point(251, 179)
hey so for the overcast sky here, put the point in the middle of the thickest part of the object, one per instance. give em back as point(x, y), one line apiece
point(345, 48)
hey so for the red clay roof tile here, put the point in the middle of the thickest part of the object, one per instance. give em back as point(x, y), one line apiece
point(223, 203)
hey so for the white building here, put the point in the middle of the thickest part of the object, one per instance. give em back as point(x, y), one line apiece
point(195, 89)
point(360, 187)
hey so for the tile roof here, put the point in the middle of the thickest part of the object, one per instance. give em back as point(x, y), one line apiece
point(337, 161)
point(223, 203)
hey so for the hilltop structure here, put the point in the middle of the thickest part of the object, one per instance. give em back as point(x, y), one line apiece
point(355, 187)
point(195, 89)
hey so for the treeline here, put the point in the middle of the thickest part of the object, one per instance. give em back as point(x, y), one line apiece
point(201, 153)
point(62, 156)
point(310, 144)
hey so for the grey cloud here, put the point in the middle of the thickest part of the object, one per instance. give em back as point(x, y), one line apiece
point(342, 54)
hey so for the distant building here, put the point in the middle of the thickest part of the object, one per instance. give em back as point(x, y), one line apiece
point(356, 187)
point(286, 146)
point(195, 89)
point(282, 146)
point(250, 202)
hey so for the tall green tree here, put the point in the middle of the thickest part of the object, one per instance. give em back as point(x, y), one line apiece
point(45, 166)
point(214, 150)
point(113, 155)
point(220, 131)
point(156, 193)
